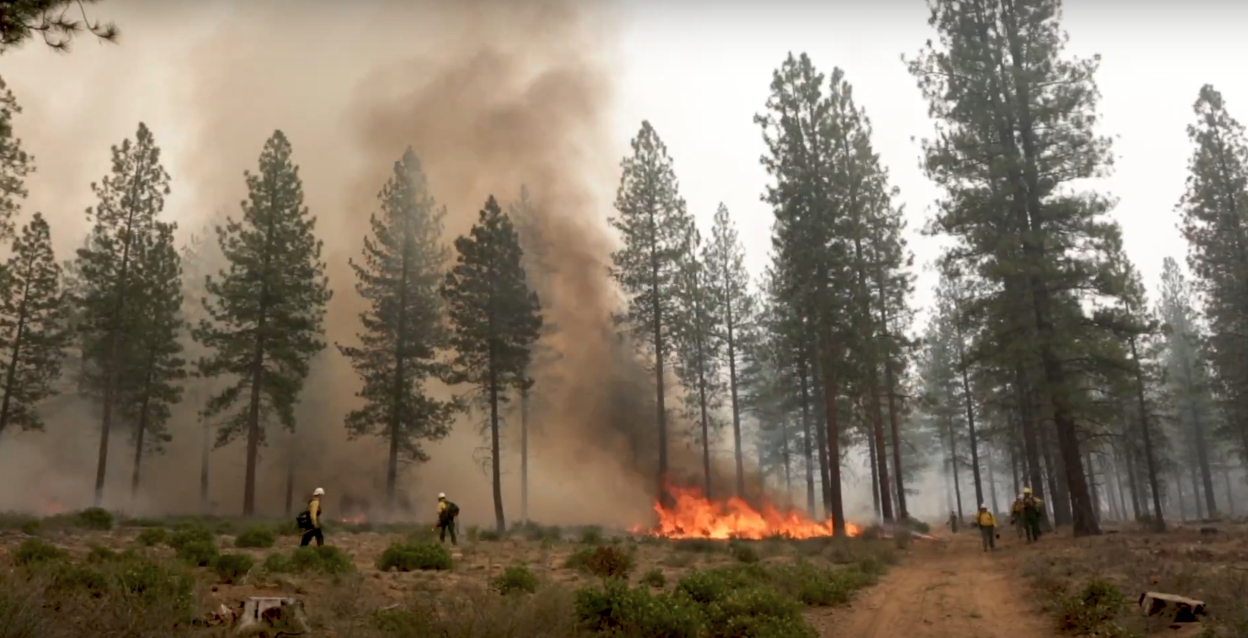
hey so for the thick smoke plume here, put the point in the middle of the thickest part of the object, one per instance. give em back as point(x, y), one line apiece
point(491, 94)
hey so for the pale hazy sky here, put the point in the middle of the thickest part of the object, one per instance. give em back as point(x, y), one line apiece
point(699, 71)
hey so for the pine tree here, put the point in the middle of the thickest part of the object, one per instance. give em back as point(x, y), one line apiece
point(15, 163)
point(1215, 224)
point(403, 266)
point(495, 318)
point(697, 349)
point(1017, 118)
point(730, 297)
point(651, 219)
point(130, 200)
point(55, 21)
point(153, 366)
point(32, 326)
point(267, 308)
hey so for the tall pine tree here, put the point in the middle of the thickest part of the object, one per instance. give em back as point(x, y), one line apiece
point(15, 163)
point(403, 266)
point(125, 217)
point(652, 220)
point(154, 366)
point(267, 307)
point(496, 320)
point(32, 326)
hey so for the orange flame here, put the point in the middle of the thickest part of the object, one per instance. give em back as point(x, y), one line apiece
point(694, 516)
point(52, 508)
point(358, 519)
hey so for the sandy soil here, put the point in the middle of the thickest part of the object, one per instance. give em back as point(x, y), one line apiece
point(946, 588)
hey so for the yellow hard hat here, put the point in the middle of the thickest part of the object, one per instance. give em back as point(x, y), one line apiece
point(1026, 490)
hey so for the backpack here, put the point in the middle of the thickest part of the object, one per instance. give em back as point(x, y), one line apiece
point(304, 520)
point(452, 510)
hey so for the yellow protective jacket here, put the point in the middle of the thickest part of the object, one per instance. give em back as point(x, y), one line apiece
point(314, 512)
point(985, 519)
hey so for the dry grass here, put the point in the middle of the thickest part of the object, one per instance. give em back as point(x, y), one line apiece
point(1072, 575)
point(86, 586)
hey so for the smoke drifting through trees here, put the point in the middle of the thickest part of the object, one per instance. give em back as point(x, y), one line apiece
point(488, 107)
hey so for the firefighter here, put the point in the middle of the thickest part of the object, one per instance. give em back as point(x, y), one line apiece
point(1033, 511)
point(953, 522)
point(987, 524)
point(447, 513)
point(309, 520)
point(1016, 515)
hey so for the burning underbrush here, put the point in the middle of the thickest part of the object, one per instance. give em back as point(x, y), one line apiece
point(692, 515)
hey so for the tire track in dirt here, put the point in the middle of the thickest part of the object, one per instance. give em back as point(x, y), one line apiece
point(943, 589)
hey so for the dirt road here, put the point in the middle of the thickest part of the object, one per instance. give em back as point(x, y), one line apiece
point(943, 589)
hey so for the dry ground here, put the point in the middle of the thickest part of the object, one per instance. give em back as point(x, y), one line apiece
point(462, 601)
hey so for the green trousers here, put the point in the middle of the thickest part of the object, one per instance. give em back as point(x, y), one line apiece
point(990, 537)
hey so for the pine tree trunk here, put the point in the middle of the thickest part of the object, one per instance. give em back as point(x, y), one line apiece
point(970, 419)
point(114, 341)
point(732, 386)
point(1090, 470)
point(659, 351)
point(788, 468)
point(890, 383)
point(15, 352)
point(1031, 436)
point(953, 464)
point(875, 476)
point(1230, 499)
point(1196, 500)
point(400, 379)
point(830, 393)
point(1132, 482)
point(524, 455)
point(141, 427)
point(1159, 521)
point(806, 442)
point(1053, 461)
point(205, 452)
point(992, 481)
point(706, 420)
point(1014, 467)
point(253, 423)
point(821, 438)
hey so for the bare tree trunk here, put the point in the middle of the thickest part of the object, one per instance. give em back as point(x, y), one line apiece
point(1159, 521)
point(807, 447)
point(875, 482)
point(524, 455)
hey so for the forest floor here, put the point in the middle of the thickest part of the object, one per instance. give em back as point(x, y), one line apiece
point(59, 577)
point(168, 578)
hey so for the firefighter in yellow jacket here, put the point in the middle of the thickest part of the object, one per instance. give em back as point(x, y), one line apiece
point(1016, 516)
point(309, 520)
point(987, 524)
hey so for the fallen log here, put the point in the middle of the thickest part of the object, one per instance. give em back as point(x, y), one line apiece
point(1177, 609)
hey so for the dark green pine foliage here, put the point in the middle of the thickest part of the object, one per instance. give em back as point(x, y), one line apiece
point(15, 163)
point(496, 320)
point(154, 367)
point(32, 326)
point(1215, 224)
point(130, 199)
point(732, 307)
point(267, 308)
point(402, 268)
point(56, 22)
point(652, 221)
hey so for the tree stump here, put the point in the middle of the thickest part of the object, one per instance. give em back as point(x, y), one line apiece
point(273, 612)
point(1176, 609)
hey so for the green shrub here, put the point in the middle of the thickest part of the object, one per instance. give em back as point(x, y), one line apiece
point(604, 561)
point(654, 578)
point(814, 586)
point(617, 609)
point(516, 579)
point(591, 535)
point(406, 557)
point(34, 551)
point(743, 552)
point(326, 559)
point(489, 535)
point(1092, 610)
point(229, 567)
point(192, 534)
point(197, 553)
point(101, 554)
point(919, 526)
point(537, 532)
point(94, 518)
point(699, 545)
point(153, 536)
point(757, 612)
point(256, 536)
point(30, 527)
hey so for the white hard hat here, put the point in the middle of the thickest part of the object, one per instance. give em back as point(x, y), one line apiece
point(318, 491)
point(441, 494)
point(982, 506)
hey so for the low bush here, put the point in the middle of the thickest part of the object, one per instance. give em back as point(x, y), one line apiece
point(654, 578)
point(94, 518)
point(33, 551)
point(743, 552)
point(516, 579)
point(326, 559)
point(30, 527)
point(153, 536)
point(604, 561)
point(230, 567)
point(591, 535)
point(256, 536)
point(197, 553)
point(192, 534)
point(617, 609)
point(699, 545)
point(406, 557)
point(489, 535)
point(1093, 610)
